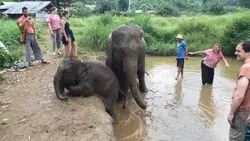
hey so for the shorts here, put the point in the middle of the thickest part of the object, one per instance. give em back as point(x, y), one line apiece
point(180, 63)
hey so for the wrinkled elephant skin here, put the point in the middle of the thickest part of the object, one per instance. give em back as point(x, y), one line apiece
point(87, 78)
point(126, 57)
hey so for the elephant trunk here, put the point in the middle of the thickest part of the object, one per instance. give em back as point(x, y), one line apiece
point(59, 88)
point(131, 75)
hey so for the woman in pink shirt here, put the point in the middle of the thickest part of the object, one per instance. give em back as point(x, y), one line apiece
point(209, 63)
point(54, 23)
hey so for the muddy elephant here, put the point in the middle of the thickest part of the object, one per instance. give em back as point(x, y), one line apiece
point(126, 51)
point(86, 78)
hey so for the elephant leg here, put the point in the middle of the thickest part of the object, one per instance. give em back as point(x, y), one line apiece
point(110, 108)
point(122, 84)
point(141, 77)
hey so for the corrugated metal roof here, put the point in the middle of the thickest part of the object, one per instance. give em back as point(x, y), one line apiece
point(7, 5)
point(33, 7)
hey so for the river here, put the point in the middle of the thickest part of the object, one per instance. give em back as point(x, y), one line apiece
point(180, 110)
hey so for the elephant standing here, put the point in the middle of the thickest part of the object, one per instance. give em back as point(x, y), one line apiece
point(126, 57)
point(87, 78)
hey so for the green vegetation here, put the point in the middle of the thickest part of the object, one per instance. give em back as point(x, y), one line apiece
point(200, 32)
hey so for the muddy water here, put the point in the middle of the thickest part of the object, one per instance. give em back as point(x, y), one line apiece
point(182, 109)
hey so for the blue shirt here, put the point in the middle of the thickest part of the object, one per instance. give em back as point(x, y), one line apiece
point(181, 50)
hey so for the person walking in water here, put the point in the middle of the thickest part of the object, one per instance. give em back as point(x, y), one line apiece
point(182, 52)
point(54, 23)
point(238, 117)
point(209, 63)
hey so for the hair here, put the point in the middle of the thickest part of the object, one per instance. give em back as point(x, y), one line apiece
point(24, 8)
point(246, 45)
point(218, 45)
point(52, 8)
point(65, 12)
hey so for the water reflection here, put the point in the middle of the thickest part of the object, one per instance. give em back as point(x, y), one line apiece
point(178, 91)
point(206, 106)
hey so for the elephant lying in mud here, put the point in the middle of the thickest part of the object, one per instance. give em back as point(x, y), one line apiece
point(126, 57)
point(87, 78)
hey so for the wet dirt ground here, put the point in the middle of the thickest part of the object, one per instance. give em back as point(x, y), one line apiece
point(30, 110)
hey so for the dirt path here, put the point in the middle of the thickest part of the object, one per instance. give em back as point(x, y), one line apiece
point(30, 110)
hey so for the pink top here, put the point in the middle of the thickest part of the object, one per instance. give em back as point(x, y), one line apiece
point(212, 59)
point(55, 21)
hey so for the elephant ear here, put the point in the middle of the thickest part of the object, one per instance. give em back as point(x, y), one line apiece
point(82, 71)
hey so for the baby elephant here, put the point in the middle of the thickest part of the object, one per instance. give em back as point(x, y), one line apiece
point(87, 78)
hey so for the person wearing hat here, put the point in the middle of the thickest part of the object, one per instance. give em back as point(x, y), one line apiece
point(182, 52)
point(209, 63)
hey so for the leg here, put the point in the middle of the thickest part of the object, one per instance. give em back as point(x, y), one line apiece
point(182, 67)
point(141, 77)
point(74, 49)
point(237, 133)
point(204, 71)
point(67, 49)
point(36, 49)
point(27, 50)
point(110, 108)
point(58, 38)
point(210, 76)
point(53, 42)
point(178, 69)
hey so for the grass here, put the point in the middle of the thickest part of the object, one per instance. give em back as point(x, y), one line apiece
point(200, 32)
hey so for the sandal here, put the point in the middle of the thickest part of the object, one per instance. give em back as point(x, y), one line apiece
point(31, 64)
point(45, 62)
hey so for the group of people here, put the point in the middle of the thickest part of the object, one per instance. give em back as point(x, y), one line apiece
point(239, 115)
point(60, 33)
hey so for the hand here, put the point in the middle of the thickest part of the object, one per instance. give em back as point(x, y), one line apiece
point(186, 58)
point(66, 38)
point(227, 65)
point(230, 119)
point(51, 32)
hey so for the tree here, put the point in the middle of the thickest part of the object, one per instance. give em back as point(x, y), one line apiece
point(123, 4)
point(103, 6)
point(244, 3)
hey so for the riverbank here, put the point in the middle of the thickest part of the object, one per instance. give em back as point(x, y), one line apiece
point(30, 110)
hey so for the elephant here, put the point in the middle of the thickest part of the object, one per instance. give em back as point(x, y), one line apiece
point(126, 49)
point(86, 78)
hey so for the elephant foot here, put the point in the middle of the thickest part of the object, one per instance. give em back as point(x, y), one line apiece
point(143, 90)
point(120, 100)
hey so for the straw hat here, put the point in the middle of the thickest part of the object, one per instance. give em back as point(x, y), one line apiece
point(179, 36)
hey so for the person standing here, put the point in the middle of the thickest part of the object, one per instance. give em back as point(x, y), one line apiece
point(182, 52)
point(26, 24)
point(54, 23)
point(209, 63)
point(68, 39)
point(238, 117)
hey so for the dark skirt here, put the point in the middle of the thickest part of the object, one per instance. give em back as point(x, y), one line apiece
point(70, 34)
point(207, 74)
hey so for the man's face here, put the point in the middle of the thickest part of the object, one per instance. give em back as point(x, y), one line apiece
point(179, 40)
point(26, 13)
point(240, 53)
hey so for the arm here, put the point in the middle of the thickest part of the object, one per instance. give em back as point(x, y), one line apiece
point(238, 97)
point(50, 26)
point(197, 52)
point(224, 59)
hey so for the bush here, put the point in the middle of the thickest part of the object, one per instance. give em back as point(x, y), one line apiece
point(6, 60)
point(78, 9)
point(236, 32)
point(217, 8)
